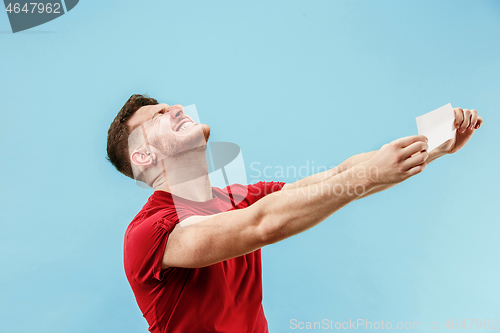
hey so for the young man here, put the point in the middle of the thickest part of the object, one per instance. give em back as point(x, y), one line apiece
point(192, 254)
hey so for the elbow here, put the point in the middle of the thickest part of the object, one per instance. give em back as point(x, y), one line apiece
point(269, 222)
point(268, 230)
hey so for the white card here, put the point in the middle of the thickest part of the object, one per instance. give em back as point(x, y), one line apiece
point(438, 126)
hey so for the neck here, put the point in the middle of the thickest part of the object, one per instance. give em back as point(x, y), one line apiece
point(186, 176)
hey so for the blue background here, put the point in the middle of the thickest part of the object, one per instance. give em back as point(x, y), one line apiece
point(292, 82)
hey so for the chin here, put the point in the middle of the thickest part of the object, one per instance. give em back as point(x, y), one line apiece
point(206, 131)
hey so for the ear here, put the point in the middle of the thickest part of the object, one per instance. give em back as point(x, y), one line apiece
point(141, 157)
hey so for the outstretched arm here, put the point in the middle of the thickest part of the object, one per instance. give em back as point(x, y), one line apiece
point(321, 176)
point(205, 240)
point(433, 155)
point(466, 122)
point(201, 241)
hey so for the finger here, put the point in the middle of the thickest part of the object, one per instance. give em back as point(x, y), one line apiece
point(473, 119)
point(416, 169)
point(479, 122)
point(404, 142)
point(466, 122)
point(415, 159)
point(414, 148)
point(459, 117)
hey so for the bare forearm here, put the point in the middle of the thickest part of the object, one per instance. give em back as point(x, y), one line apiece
point(309, 201)
point(290, 211)
point(347, 164)
point(433, 155)
point(294, 210)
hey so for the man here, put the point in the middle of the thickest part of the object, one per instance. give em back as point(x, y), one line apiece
point(192, 255)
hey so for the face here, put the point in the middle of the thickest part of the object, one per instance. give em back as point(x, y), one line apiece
point(169, 129)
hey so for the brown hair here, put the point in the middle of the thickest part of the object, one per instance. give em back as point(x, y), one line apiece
point(117, 147)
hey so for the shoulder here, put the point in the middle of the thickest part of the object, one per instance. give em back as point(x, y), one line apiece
point(145, 225)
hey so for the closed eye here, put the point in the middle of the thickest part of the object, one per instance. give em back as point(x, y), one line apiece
point(156, 115)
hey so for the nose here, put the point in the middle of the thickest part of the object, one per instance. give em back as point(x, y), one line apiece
point(176, 111)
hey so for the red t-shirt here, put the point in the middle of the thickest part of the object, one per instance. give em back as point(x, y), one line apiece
point(224, 297)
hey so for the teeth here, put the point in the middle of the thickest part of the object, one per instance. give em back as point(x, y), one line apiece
point(183, 126)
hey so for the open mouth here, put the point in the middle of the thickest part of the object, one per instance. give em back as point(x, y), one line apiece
point(183, 125)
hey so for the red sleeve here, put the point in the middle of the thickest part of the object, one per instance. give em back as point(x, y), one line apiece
point(261, 189)
point(245, 196)
point(145, 247)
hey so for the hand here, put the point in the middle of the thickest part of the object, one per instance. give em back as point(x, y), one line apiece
point(466, 122)
point(399, 160)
